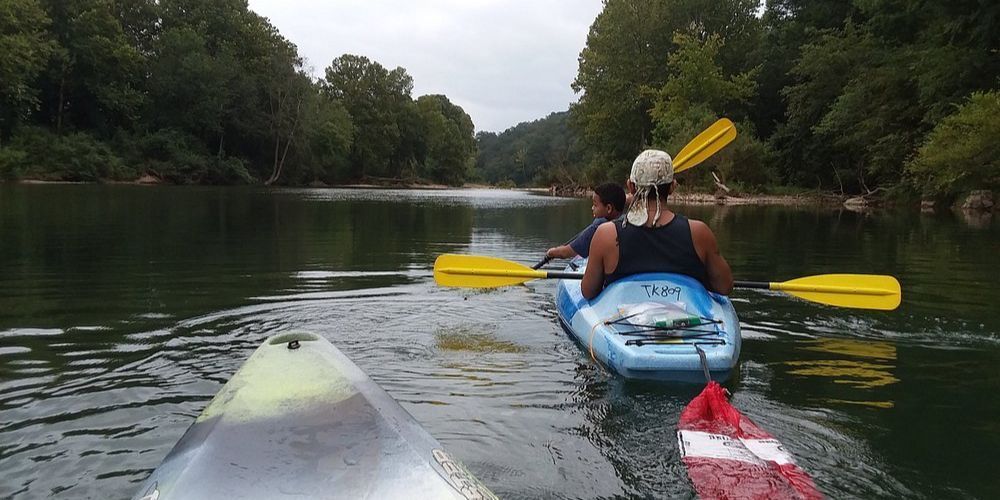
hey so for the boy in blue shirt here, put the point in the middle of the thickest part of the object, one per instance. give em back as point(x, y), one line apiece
point(608, 204)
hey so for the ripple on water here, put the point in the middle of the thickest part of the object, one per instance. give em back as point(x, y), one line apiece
point(88, 411)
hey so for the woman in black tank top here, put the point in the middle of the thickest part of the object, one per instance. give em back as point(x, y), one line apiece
point(664, 249)
point(650, 238)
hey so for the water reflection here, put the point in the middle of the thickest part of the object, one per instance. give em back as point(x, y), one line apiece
point(855, 373)
point(124, 309)
point(868, 364)
point(976, 219)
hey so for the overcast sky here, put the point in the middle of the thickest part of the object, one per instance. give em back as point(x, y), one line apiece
point(503, 61)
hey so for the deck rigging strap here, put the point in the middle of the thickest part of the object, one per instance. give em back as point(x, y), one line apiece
point(654, 341)
point(704, 363)
point(593, 331)
point(674, 331)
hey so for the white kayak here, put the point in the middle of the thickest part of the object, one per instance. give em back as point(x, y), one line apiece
point(300, 420)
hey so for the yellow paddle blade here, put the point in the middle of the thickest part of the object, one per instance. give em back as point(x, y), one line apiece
point(864, 291)
point(476, 271)
point(706, 144)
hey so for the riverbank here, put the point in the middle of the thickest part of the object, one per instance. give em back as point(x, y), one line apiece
point(149, 180)
point(706, 198)
point(975, 201)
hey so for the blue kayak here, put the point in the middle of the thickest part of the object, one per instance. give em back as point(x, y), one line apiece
point(649, 326)
point(300, 420)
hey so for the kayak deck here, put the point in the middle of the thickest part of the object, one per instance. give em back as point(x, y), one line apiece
point(299, 419)
point(653, 353)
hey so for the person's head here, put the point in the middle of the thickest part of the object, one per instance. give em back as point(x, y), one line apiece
point(651, 179)
point(609, 201)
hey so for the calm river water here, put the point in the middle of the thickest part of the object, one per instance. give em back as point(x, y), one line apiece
point(123, 309)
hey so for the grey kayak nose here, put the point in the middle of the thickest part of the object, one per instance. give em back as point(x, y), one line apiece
point(299, 419)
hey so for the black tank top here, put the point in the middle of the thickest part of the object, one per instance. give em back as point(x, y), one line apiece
point(665, 249)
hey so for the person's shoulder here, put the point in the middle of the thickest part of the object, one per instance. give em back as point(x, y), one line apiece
point(697, 225)
point(605, 229)
point(699, 229)
point(701, 234)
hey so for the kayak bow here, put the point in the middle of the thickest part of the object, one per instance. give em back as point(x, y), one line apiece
point(299, 419)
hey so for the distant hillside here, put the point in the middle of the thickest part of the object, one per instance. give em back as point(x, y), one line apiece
point(531, 153)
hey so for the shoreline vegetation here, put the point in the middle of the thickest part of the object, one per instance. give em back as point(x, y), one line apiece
point(976, 201)
point(857, 102)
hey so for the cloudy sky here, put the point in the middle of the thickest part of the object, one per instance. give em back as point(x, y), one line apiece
point(503, 61)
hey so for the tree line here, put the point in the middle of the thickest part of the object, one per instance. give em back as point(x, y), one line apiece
point(206, 91)
point(852, 96)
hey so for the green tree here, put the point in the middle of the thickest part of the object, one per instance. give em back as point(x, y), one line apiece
point(449, 139)
point(866, 92)
point(223, 74)
point(622, 60)
point(695, 94)
point(95, 75)
point(824, 70)
point(288, 89)
point(189, 86)
point(329, 134)
point(695, 89)
point(375, 98)
point(140, 22)
point(788, 25)
point(25, 48)
point(622, 65)
point(962, 152)
point(539, 152)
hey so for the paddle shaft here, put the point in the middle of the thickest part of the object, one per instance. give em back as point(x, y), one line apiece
point(513, 273)
point(548, 259)
point(794, 287)
point(544, 261)
point(763, 285)
point(862, 291)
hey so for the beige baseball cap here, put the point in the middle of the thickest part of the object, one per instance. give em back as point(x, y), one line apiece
point(650, 169)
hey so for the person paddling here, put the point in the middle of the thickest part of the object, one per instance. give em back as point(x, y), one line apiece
point(608, 204)
point(652, 238)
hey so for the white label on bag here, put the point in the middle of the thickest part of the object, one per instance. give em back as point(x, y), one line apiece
point(769, 449)
point(704, 445)
point(698, 444)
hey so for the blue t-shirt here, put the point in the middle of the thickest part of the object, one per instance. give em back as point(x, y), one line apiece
point(581, 244)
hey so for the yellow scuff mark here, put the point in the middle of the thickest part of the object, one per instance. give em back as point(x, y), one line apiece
point(277, 381)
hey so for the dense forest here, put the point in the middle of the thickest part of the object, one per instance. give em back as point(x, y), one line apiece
point(855, 97)
point(205, 91)
point(852, 97)
point(542, 152)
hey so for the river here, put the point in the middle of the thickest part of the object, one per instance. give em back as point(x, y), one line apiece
point(123, 309)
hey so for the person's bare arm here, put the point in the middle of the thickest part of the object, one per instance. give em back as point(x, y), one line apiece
point(561, 252)
point(720, 276)
point(593, 276)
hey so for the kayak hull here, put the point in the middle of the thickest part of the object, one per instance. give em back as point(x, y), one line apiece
point(674, 359)
point(299, 419)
